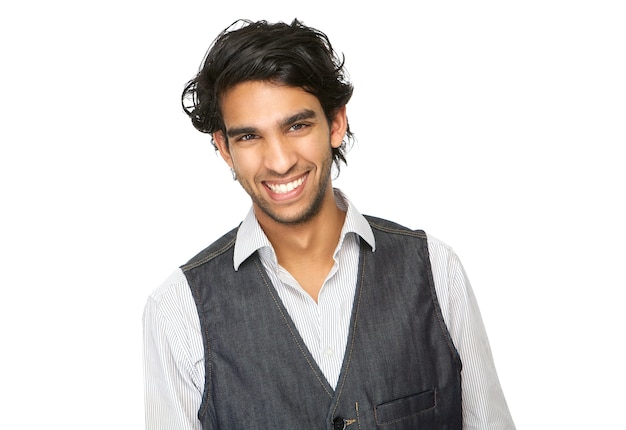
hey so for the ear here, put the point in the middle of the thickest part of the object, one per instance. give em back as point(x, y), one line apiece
point(338, 127)
point(222, 146)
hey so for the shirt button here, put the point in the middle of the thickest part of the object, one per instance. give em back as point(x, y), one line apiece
point(328, 352)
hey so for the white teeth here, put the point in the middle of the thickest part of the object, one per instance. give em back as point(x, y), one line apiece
point(285, 188)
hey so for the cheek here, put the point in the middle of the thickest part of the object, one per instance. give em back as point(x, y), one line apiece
point(315, 155)
point(244, 162)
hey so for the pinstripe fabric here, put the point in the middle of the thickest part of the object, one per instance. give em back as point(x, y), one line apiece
point(173, 352)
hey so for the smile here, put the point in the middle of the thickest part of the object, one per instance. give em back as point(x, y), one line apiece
point(287, 187)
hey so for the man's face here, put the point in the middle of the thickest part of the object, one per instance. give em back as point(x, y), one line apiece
point(280, 146)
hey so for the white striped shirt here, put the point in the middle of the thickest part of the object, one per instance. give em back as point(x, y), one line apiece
point(174, 354)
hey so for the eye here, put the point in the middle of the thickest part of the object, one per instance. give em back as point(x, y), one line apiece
point(299, 126)
point(246, 137)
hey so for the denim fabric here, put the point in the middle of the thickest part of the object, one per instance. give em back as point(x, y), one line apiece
point(400, 370)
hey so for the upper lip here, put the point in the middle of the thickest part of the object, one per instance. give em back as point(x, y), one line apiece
point(285, 181)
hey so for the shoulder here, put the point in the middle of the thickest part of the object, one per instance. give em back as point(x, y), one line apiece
point(440, 250)
point(171, 289)
point(170, 314)
point(386, 226)
point(452, 286)
point(172, 304)
point(435, 245)
point(217, 248)
point(444, 262)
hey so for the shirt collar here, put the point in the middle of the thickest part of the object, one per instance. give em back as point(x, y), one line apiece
point(250, 236)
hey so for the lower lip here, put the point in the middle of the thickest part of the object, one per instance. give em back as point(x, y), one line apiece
point(289, 194)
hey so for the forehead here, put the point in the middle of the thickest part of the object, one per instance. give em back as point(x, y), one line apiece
point(258, 103)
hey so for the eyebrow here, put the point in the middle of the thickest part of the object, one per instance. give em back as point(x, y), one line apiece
point(300, 116)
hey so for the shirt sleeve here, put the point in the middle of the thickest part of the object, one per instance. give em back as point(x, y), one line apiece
point(172, 385)
point(484, 404)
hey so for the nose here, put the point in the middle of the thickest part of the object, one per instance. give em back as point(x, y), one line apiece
point(279, 155)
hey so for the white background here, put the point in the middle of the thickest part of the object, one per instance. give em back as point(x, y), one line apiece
point(497, 126)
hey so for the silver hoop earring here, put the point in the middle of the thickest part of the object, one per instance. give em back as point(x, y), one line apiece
point(234, 174)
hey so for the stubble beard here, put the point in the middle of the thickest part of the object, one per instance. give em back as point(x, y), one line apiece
point(308, 213)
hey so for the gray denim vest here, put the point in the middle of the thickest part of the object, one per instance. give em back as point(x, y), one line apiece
point(400, 370)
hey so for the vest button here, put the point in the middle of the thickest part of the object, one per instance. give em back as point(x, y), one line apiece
point(338, 424)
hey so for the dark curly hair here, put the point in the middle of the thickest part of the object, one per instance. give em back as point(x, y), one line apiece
point(291, 54)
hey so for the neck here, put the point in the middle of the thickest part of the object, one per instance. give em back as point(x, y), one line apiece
point(306, 250)
point(316, 238)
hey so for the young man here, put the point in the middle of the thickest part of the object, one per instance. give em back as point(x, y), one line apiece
point(309, 315)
